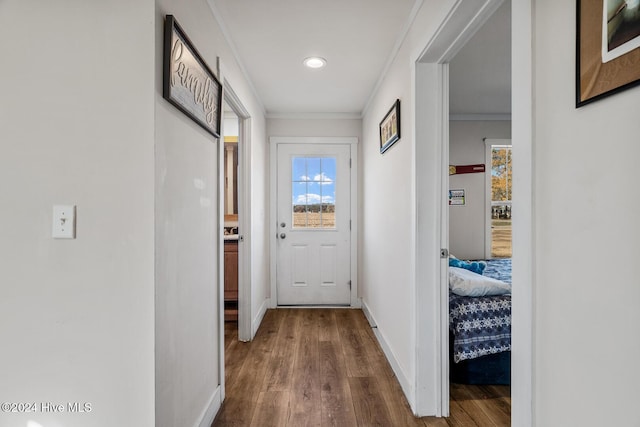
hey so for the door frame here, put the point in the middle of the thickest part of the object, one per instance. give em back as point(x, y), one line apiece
point(430, 85)
point(274, 141)
point(244, 215)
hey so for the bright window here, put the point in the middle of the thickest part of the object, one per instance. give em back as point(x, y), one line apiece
point(314, 192)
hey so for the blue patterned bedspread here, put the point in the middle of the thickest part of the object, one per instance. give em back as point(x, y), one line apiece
point(482, 325)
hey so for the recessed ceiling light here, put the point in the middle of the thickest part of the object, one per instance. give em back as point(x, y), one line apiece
point(315, 62)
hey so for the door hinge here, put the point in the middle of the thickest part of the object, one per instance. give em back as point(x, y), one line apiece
point(349, 163)
point(349, 284)
point(349, 224)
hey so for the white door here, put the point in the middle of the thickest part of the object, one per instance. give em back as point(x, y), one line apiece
point(313, 231)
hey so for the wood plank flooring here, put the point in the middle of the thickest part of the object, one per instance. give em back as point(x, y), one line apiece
point(324, 367)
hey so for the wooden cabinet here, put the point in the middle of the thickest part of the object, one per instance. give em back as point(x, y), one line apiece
point(231, 280)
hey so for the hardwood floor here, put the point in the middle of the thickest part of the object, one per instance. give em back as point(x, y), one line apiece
point(324, 367)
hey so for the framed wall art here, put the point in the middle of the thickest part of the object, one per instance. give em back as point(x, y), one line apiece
point(390, 127)
point(607, 48)
point(188, 83)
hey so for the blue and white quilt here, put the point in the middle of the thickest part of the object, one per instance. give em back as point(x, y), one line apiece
point(482, 325)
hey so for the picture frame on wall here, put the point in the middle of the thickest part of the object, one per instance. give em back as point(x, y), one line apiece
point(607, 48)
point(188, 82)
point(390, 127)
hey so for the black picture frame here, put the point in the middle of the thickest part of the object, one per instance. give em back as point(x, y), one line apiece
point(390, 127)
point(604, 64)
point(188, 82)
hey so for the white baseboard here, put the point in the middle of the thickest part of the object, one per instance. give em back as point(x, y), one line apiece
point(406, 385)
point(257, 320)
point(210, 412)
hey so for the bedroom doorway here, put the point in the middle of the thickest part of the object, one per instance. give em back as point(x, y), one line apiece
point(480, 113)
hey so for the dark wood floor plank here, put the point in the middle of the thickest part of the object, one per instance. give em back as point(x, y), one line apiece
point(272, 409)
point(389, 387)
point(279, 371)
point(370, 407)
point(306, 399)
point(328, 330)
point(473, 407)
point(323, 387)
point(337, 403)
point(244, 388)
point(434, 422)
point(459, 417)
point(476, 398)
point(354, 354)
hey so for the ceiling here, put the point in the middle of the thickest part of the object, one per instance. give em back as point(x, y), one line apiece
point(271, 38)
point(480, 74)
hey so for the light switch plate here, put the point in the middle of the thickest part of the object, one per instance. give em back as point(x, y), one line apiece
point(64, 222)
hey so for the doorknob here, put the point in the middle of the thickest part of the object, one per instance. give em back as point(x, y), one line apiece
point(283, 236)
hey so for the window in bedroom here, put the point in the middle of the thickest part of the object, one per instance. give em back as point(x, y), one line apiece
point(501, 180)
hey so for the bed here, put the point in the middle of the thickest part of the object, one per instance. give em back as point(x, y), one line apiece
point(480, 332)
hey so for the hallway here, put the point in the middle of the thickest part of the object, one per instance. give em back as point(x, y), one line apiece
point(324, 367)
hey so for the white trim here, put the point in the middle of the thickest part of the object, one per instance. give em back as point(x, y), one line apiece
point(245, 282)
point(257, 320)
point(386, 349)
point(220, 260)
point(315, 116)
point(355, 302)
point(444, 243)
point(275, 140)
point(456, 29)
point(488, 165)
point(480, 117)
point(524, 245)
point(209, 413)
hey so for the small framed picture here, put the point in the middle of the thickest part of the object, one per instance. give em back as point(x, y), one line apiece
point(390, 127)
point(607, 48)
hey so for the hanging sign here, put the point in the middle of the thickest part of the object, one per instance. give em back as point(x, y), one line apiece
point(456, 197)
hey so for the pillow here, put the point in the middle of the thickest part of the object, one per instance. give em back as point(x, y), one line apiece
point(475, 266)
point(469, 284)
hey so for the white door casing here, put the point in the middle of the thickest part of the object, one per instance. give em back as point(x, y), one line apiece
point(314, 193)
point(313, 237)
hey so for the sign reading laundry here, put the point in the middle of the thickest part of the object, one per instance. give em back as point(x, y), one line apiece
point(189, 84)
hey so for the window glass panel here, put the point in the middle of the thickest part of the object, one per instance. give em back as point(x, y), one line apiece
point(313, 168)
point(501, 192)
point(313, 192)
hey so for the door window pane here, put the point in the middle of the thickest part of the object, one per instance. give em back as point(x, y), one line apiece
point(314, 192)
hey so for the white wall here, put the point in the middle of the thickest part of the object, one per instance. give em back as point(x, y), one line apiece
point(467, 228)
point(76, 316)
point(387, 270)
point(187, 231)
point(587, 199)
point(187, 219)
point(314, 127)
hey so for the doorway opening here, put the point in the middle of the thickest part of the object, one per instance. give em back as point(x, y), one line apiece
point(231, 230)
point(235, 209)
point(479, 109)
point(431, 87)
